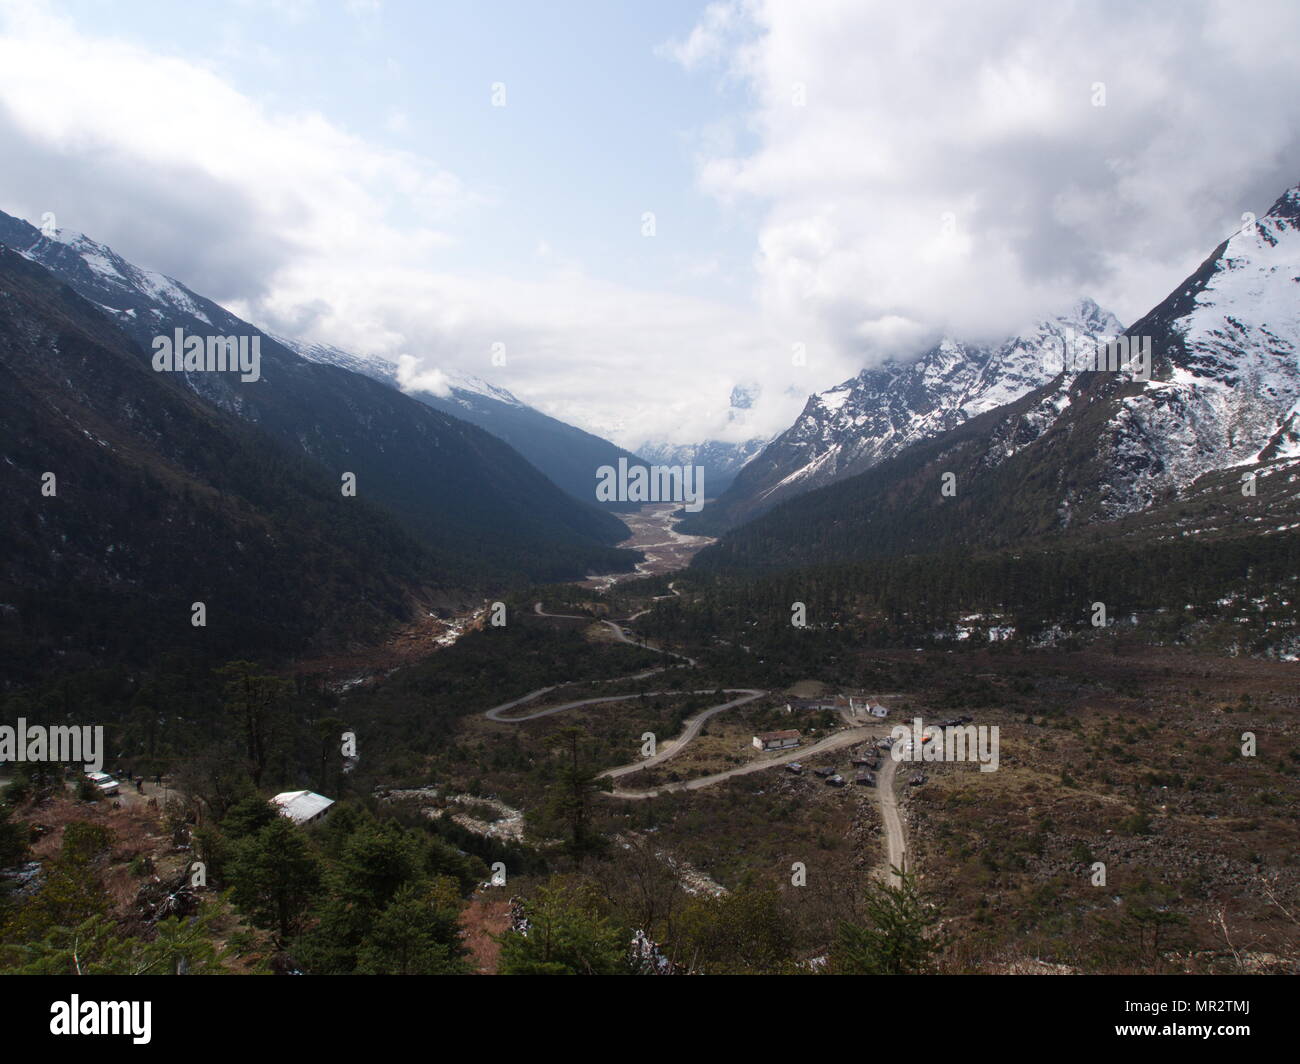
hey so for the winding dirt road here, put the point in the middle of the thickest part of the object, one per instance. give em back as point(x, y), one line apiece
point(620, 633)
point(886, 780)
point(832, 742)
point(689, 731)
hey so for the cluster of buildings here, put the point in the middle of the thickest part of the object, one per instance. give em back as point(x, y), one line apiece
point(837, 703)
point(853, 705)
point(866, 776)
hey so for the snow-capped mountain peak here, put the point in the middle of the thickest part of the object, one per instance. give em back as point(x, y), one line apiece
point(1227, 382)
point(462, 388)
point(871, 417)
point(118, 285)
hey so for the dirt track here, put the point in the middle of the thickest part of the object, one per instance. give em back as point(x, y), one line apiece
point(895, 837)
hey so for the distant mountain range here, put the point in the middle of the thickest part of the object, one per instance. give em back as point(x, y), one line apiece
point(568, 455)
point(875, 415)
point(1095, 453)
point(193, 486)
point(720, 461)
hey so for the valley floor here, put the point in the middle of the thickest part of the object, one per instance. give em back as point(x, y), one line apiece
point(1125, 828)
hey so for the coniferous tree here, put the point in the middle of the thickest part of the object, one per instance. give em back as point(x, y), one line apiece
point(567, 935)
point(417, 934)
point(898, 937)
point(569, 798)
point(274, 876)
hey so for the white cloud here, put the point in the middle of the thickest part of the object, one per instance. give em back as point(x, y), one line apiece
point(314, 231)
point(413, 379)
point(208, 184)
point(629, 365)
point(947, 169)
point(985, 112)
point(709, 39)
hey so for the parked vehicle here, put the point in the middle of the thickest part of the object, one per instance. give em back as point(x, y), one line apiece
point(795, 767)
point(836, 781)
point(103, 782)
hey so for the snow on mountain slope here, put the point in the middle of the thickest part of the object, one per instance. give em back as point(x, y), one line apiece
point(1099, 451)
point(1227, 380)
point(122, 287)
point(720, 460)
point(465, 388)
point(462, 388)
point(871, 417)
point(376, 368)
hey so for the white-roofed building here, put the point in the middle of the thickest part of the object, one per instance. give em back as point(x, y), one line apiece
point(303, 807)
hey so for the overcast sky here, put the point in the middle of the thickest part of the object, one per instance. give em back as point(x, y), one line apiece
point(849, 176)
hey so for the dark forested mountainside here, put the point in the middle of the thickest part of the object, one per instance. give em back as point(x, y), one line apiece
point(1229, 594)
point(485, 513)
point(129, 500)
point(566, 454)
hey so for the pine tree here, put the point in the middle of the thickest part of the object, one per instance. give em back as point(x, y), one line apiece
point(898, 938)
point(275, 876)
point(418, 934)
point(567, 935)
point(569, 799)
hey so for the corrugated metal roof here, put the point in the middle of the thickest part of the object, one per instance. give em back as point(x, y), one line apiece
point(301, 806)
